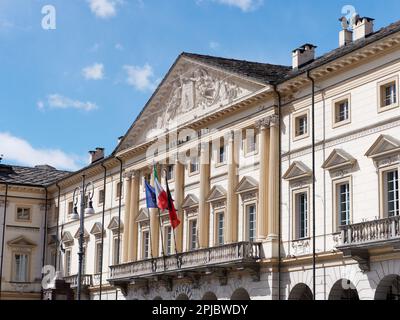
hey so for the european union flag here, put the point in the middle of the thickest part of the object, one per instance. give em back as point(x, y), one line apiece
point(151, 199)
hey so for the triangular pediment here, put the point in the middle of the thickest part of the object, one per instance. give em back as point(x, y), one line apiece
point(21, 242)
point(383, 146)
point(338, 159)
point(297, 170)
point(67, 237)
point(113, 225)
point(246, 184)
point(193, 88)
point(143, 215)
point(85, 234)
point(216, 193)
point(97, 229)
point(190, 201)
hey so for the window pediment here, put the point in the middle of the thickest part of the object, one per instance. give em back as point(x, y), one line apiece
point(338, 159)
point(21, 242)
point(383, 146)
point(297, 170)
point(113, 225)
point(97, 229)
point(67, 237)
point(85, 234)
point(217, 193)
point(190, 201)
point(143, 215)
point(247, 184)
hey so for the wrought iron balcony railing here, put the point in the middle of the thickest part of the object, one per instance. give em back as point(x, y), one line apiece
point(73, 280)
point(242, 253)
point(370, 232)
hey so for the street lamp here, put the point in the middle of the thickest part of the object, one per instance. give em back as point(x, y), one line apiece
point(83, 190)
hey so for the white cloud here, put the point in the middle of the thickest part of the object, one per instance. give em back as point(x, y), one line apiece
point(104, 8)
point(22, 152)
point(141, 78)
point(244, 5)
point(214, 45)
point(94, 72)
point(57, 101)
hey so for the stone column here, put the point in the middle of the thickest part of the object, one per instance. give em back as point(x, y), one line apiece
point(204, 206)
point(231, 212)
point(125, 238)
point(179, 197)
point(273, 179)
point(154, 226)
point(262, 212)
point(134, 212)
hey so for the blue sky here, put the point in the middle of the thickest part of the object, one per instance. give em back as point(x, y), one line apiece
point(80, 86)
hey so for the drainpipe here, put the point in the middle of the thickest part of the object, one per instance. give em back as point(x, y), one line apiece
point(280, 192)
point(119, 215)
point(3, 237)
point(102, 230)
point(58, 226)
point(44, 236)
point(313, 177)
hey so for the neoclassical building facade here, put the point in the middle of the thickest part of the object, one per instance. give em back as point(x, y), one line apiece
point(285, 180)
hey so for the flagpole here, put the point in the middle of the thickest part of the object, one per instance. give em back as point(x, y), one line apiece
point(176, 250)
point(162, 238)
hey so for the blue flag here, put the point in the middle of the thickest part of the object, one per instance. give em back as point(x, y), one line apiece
point(151, 199)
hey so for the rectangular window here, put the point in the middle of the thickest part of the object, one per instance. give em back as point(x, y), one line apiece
point(68, 262)
point(193, 234)
point(118, 191)
point(389, 95)
point(343, 203)
point(302, 215)
point(194, 165)
point(99, 256)
point(146, 245)
point(102, 196)
point(168, 240)
point(220, 228)
point(170, 172)
point(70, 207)
point(341, 112)
point(392, 195)
point(20, 267)
point(301, 125)
point(116, 251)
point(221, 154)
point(23, 214)
point(251, 222)
point(250, 141)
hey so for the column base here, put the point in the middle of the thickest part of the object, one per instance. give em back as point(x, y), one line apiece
point(270, 248)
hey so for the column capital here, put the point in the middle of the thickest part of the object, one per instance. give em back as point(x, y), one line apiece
point(268, 122)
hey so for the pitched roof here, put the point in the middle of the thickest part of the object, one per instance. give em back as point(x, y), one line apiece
point(261, 72)
point(342, 51)
point(36, 176)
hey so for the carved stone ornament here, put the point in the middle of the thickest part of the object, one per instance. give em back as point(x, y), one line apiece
point(268, 122)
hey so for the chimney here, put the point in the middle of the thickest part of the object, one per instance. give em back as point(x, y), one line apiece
point(362, 27)
point(346, 35)
point(303, 55)
point(96, 155)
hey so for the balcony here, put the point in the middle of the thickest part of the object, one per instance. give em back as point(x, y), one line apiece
point(192, 265)
point(73, 281)
point(358, 239)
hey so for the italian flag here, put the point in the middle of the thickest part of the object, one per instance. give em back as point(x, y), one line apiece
point(161, 195)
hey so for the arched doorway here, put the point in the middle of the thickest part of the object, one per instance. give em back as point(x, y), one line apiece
point(209, 296)
point(301, 292)
point(240, 295)
point(388, 288)
point(158, 298)
point(343, 289)
point(182, 296)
